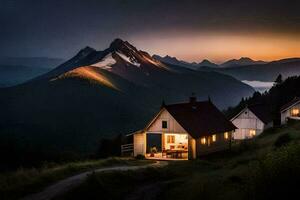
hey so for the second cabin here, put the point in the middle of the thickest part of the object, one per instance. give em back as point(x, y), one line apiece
point(251, 121)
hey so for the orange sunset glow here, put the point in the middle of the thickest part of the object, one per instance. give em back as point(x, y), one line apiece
point(220, 47)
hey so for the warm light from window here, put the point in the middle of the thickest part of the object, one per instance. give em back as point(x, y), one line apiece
point(295, 112)
point(203, 140)
point(252, 132)
point(214, 137)
point(170, 139)
point(226, 135)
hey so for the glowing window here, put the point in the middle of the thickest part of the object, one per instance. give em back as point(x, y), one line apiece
point(170, 139)
point(214, 137)
point(252, 132)
point(295, 112)
point(203, 140)
point(226, 135)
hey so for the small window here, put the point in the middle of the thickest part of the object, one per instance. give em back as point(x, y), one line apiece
point(203, 140)
point(252, 132)
point(214, 137)
point(170, 139)
point(226, 135)
point(164, 124)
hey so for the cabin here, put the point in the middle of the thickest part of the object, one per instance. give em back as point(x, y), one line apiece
point(251, 121)
point(291, 110)
point(184, 131)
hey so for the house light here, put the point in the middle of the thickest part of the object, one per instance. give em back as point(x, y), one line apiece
point(203, 140)
point(226, 136)
point(214, 137)
point(252, 132)
point(295, 111)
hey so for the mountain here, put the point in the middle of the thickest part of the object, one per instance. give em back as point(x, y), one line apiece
point(100, 94)
point(241, 62)
point(262, 72)
point(174, 61)
point(207, 63)
point(16, 70)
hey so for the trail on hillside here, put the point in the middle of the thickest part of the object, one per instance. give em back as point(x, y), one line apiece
point(65, 185)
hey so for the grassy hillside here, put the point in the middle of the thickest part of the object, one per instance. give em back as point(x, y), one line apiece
point(263, 168)
point(22, 182)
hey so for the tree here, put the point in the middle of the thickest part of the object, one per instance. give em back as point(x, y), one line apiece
point(278, 80)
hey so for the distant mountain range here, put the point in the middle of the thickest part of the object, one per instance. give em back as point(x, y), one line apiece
point(173, 60)
point(261, 72)
point(246, 68)
point(206, 63)
point(99, 94)
point(16, 70)
point(243, 61)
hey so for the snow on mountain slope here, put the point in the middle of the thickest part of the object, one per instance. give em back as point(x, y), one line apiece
point(129, 60)
point(106, 62)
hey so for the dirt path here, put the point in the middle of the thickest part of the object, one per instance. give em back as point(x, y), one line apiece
point(73, 181)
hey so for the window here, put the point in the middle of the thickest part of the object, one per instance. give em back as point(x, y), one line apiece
point(295, 112)
point(226, 135)
point(252, 132)
point(203, 140)
point(164, 124)
point(214, 137)
point(171, 139)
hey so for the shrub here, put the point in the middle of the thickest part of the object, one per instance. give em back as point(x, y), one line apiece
point(282, 140)
point(245, 145)
point(276, 174)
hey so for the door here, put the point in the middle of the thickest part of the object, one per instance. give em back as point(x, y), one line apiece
point(154, 142)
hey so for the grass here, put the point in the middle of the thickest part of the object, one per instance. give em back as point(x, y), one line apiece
point(115, 185)
point(19, 183)
point(254, 169)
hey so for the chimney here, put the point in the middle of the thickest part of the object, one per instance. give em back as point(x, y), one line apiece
point(163, 104)
point(193, 98)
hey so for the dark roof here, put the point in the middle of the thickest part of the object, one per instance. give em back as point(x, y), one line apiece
point(200, 118)
point(262, 112)
point(291, 103)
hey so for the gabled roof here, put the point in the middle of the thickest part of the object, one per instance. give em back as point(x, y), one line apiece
point(199, 118)
point(261, 111)
point(295, 101)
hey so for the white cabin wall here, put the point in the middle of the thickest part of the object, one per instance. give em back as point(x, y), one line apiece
point(284, 115)
point(245, 122)
point(287, 113)
point(173, 125)
point(139, 144)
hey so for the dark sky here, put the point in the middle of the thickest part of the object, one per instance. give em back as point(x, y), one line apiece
point(188, 29)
